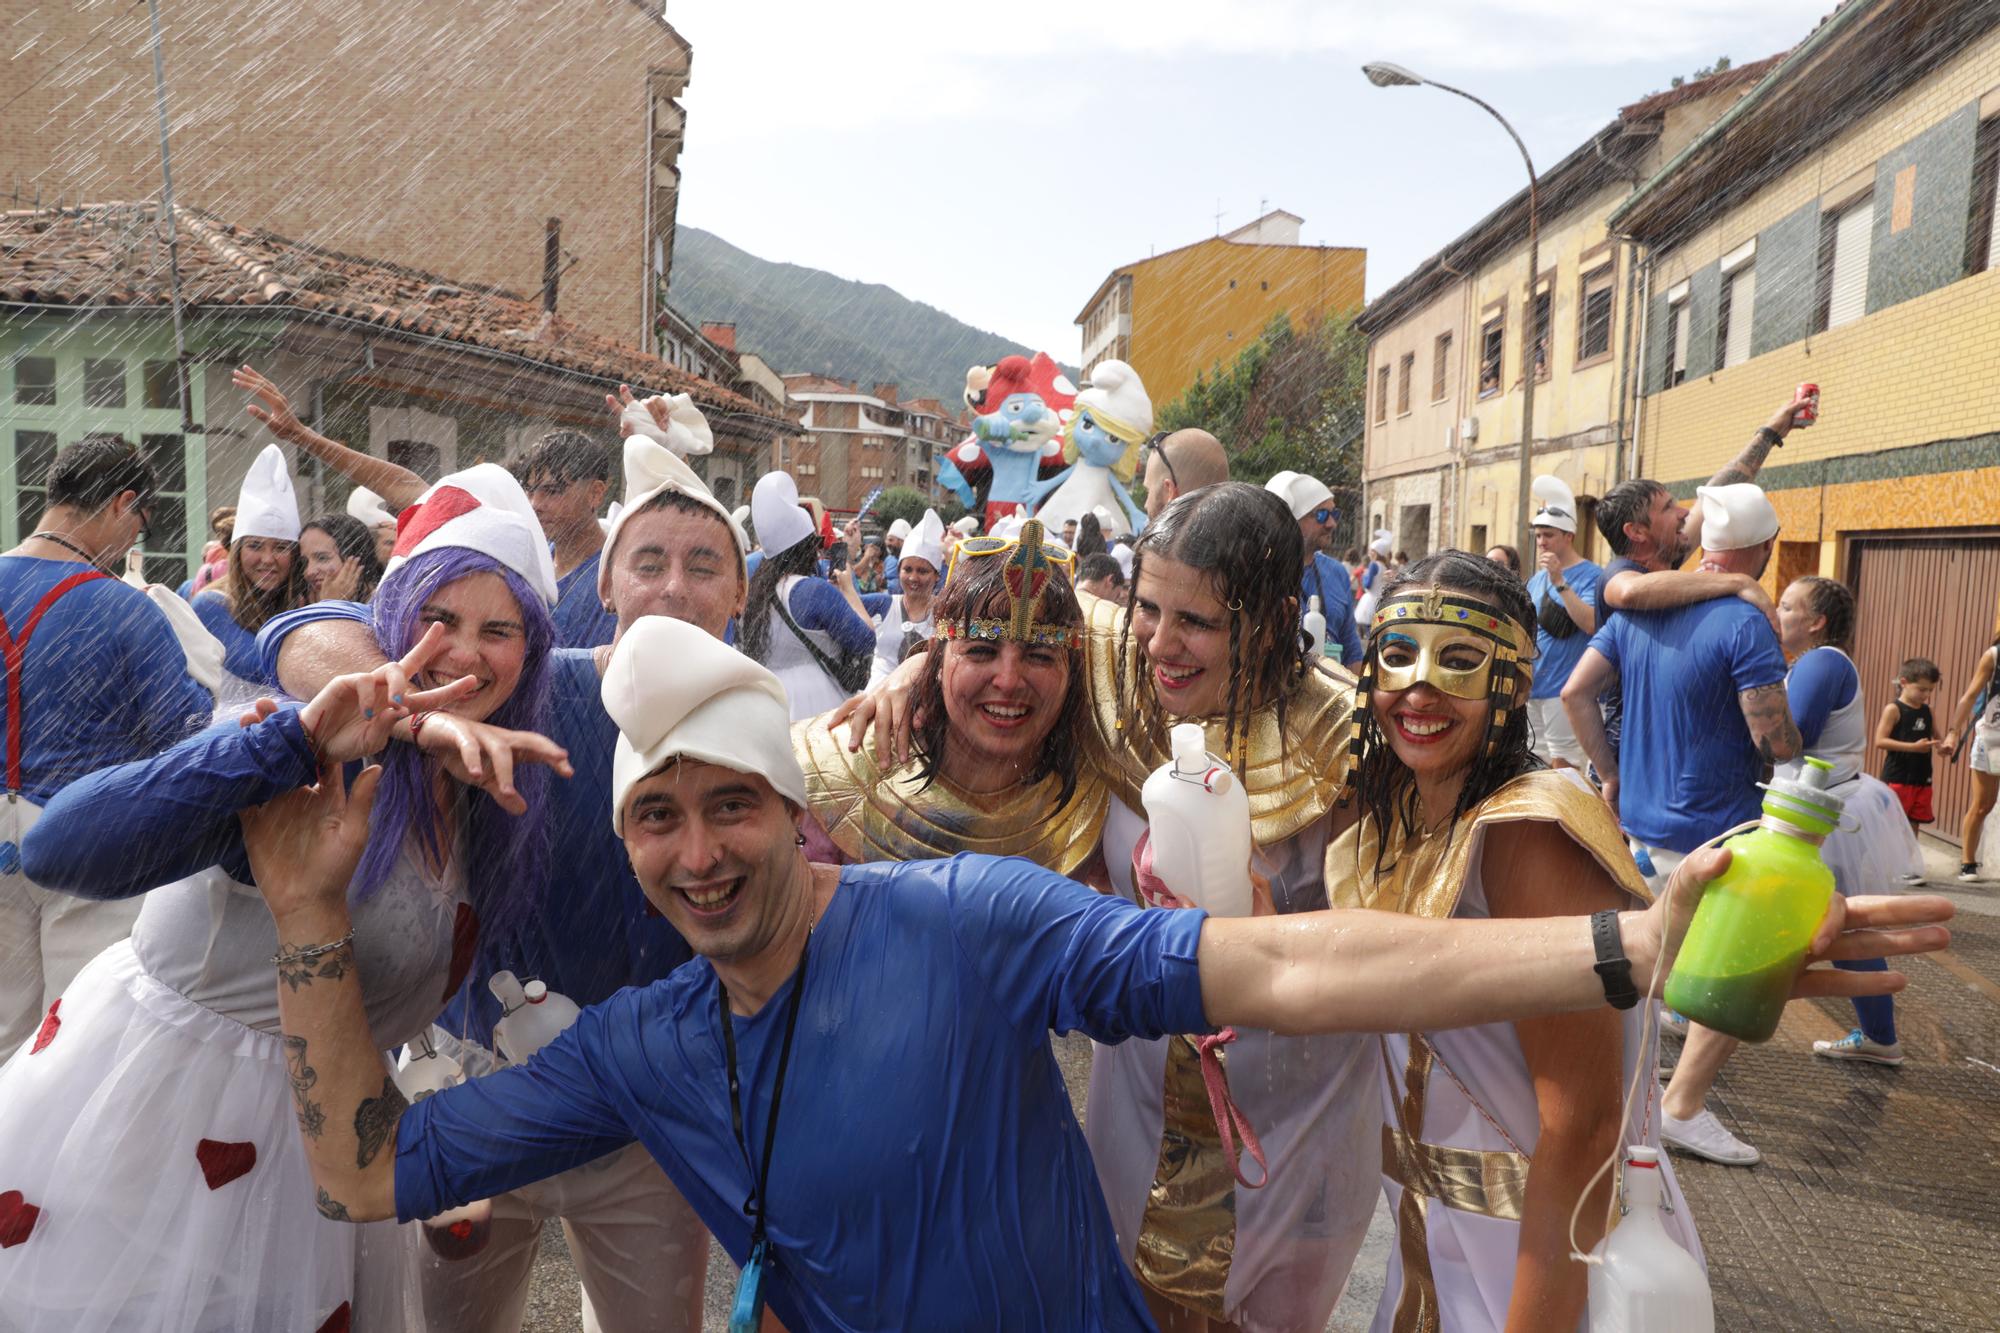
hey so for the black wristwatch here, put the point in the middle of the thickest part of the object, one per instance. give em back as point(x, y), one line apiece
point(1766, 433)
point(1613, 968)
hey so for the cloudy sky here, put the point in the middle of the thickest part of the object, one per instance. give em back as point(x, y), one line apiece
point(998, 161)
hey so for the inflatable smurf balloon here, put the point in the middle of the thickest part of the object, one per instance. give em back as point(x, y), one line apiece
point(1113, 417)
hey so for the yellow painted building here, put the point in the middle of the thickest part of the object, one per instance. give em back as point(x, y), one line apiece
point(1177, 315)
point(1810, 237)
point(1447, 344)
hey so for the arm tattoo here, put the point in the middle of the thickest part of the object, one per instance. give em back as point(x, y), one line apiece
point(297, 972)
point(312, 1120)
point(330, 1207)
point(1769, 715)
point(1744, 466)
point(375, 1121)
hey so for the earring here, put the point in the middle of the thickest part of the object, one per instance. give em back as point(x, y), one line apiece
point(802, 839)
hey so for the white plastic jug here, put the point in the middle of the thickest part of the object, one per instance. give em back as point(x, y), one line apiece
point(425, 1070)
point(1315, 628)
point(1647, 1283)
point(1200, 818)
point(535, 1016)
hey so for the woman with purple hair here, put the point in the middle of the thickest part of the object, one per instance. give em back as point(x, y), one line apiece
point(149, 1178)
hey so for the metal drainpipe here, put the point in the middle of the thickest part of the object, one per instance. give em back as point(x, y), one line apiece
point(1625, 357)
point(1639, 399)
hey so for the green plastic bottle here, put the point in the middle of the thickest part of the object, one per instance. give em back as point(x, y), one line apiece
point(1749, 937)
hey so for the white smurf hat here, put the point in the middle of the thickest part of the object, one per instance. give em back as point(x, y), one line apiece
point(653, 470)
point(1117, 401)
point(1122, 553)
point(367, 506)
point(966, 526)
point(481, 509)
point(678, 693)
point(1301, 493)
point(686, 432)
point(267, 506)
point(781, 520)
point(900, 529)
point(1383, 542)
point(925, 541)
point(1557, 507)
point(1735, 517)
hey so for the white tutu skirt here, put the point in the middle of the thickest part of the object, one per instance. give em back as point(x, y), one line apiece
point(152, 1180)
point(1874, 846)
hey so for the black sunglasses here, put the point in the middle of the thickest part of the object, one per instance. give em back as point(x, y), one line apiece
point(1157, 445)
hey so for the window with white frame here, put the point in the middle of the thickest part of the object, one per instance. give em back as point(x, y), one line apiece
point(1678, 330)
point(1738, 303)
point(1843, 278)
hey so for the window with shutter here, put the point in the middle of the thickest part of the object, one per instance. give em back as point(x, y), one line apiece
point(1539, 330)
point(1593, 325)
point(1844, 267)
point(1739, 296)
point(1440, 357)
point(1492, 348)
point(1405, 372)
point(1678, 329)
point(1382, 394)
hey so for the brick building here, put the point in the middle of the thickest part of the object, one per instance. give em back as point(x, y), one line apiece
point(1176, 315)
point(856, 441)
point(1446, 342)
point(1839, 227)
point(437, 134)
point(431, 372)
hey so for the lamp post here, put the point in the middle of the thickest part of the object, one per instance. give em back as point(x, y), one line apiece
point(1385, 75)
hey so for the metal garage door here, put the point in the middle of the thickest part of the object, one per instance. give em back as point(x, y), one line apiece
point(1922, 595)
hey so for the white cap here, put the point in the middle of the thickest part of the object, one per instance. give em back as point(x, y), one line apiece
point(1383, 542)
point(1010, 525)
point(925, 541)
point(781, 520)
point(900, 529)
point(1123, 555)
point(967, 525)
point(652, 470)
point(367, 506)
point(677, 692)
point(1117, 401)
point(1735, 517)
point(686, 432)
point(267, 506)
point(480, 509)
point(1557, 507)
point(1304, 494)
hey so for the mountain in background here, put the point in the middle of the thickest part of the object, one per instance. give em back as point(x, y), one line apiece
point(803, 319)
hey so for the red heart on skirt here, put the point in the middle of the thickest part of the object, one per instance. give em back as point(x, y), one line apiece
point(224, 1162)
point(17, 1218)
point(337, 1322)
point(50, 1026)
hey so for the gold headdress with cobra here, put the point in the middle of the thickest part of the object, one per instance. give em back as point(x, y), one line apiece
point(1031, 562)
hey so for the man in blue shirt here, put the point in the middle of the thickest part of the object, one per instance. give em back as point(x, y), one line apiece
point(1563, 589)
point(673, 551)
point(853, 1084)
point(1687, 770)
point(100, 679)
point(567, 474)
point(1312, 505)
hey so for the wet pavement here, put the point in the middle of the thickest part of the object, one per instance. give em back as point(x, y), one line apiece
point(1877, 1206)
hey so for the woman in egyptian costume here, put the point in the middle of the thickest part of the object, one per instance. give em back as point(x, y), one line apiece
point(1490, 1133)
point(996, 763)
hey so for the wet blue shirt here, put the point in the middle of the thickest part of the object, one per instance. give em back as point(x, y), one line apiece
point(1328, 580)
point(1687, 769)
point(239, 645)
point(103, 679)
point(928, 1170)
point(581, 620)
point(1556, 657)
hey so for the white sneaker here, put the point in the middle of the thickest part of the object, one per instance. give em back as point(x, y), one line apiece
point(1968, 874)
point(1855, 1046)
point(1704, 1136)
point(1911, 878)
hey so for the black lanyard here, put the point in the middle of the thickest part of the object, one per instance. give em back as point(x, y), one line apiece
point(754, 1206)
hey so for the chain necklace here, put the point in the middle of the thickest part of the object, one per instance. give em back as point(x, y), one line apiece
point(65, 542)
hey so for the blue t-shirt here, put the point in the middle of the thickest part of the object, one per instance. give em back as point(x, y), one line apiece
point(1556, 658)
point(1822, 682)
point(1327, 579)
point(239, 645)
point(928, 1170)
point(103, 679)
point(581, 620)
point(1687, 768)
point(1613, 698)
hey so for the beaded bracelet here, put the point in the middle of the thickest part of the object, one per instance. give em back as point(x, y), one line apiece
point(284, 956)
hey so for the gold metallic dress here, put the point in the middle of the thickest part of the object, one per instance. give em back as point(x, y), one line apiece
point(1273, 1258)
point(1460, 1115)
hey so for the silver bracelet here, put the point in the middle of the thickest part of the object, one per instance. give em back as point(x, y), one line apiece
point(283, 956)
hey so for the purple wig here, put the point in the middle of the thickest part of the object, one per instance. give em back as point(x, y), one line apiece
point(506, 858)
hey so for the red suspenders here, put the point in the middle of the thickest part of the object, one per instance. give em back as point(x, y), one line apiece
point(16, 651)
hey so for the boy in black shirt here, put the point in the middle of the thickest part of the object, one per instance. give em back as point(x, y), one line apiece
point(1908, 735)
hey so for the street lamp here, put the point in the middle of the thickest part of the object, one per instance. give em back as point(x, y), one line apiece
point(1385, 75)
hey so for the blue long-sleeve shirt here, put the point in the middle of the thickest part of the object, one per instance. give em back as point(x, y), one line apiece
point(133, 827)
point(581, 620)
point(103, 679)
point(239, 645)
point(1328, 580)
point(928, 1170)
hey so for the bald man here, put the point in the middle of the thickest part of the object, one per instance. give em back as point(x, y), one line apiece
point(1186, 460)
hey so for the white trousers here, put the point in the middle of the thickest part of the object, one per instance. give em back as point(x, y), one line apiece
point(640, 1251)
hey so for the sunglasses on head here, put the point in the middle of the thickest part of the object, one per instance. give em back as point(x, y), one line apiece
point(1157, 445)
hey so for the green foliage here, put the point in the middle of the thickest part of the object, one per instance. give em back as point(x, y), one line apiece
point(1291, 399)
point(904, 502)
point(1720, 66)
